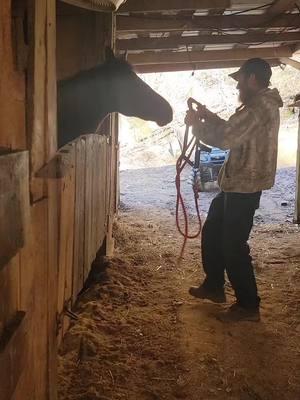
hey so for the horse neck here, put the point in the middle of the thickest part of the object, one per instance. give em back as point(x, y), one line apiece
point(104, 90)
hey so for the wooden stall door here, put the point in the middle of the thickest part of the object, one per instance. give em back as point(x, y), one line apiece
point(82, 217)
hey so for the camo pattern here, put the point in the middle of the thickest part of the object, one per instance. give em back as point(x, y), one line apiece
point(251, 135)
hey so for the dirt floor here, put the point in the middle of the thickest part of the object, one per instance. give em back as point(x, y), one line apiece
point(140, 336)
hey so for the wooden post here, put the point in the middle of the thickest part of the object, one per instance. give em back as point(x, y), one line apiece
point(52, 193)
point(110, 36)
point(297, 202)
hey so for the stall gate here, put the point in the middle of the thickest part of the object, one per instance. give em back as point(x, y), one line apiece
point(83, 216)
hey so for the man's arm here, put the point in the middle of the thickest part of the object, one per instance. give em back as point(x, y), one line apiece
point(218, 132)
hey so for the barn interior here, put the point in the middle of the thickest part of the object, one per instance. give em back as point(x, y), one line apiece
point(93, 301)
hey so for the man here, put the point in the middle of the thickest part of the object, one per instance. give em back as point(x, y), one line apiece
point(251, 135)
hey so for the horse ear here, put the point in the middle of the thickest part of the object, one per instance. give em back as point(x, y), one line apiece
point(109, 54)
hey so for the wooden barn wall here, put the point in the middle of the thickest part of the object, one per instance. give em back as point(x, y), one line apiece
point(82, 36)
point(50, 260)
point(27, 121)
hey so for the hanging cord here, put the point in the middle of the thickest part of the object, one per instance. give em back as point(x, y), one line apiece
point(184, 158)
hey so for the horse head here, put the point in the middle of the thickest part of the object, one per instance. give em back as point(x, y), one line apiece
point(85, 99)
point(132, 96)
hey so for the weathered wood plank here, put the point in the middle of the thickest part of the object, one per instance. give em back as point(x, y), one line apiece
point(111, 192)
point(36, 90)
point(118, 182)
point(208, 56)
point(12, 87)
point(172, 5)
point(69, 201)
point(88, 207)
point(96, 5)
point(102, 185)
point(52, 279)
point(14, 203)
point(191, 66)
point(66, 236)
point(34, 299)
point(144, 24)
point(52, 215)
point(117, 162)
point(41, 299)
point(97, 183)
point(94, 199)
point(290, 62)
point(297, 203)
point(13, 354)
point(79, 219)
point(9, 291)
point(80, 43)
point(173, 42)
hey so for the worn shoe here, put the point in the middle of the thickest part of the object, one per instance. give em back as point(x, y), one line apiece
point(236, 313)
point(201, 292)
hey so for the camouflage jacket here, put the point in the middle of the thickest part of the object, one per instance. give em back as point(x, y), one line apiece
point(251, 135)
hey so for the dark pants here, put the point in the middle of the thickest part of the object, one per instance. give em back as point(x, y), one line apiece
point(225, 245)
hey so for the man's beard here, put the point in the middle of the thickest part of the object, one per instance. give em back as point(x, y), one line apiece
point(245, 96)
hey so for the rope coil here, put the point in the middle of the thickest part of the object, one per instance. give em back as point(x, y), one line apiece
point(184, 158)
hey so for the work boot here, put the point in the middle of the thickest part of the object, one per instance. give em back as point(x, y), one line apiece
point(237, 313)
point(201, 292)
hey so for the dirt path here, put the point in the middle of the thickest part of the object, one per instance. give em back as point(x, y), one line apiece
point(152, 188)
point(141, 337)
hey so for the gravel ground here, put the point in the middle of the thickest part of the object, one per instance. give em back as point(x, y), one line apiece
point(149, 188)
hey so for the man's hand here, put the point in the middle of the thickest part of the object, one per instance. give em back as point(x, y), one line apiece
point(202, 111)
point(192, 116)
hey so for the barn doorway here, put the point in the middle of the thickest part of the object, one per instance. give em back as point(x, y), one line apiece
point(140, 335)
point(148, 153)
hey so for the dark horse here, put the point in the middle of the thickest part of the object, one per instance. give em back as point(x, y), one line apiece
point(85, 99)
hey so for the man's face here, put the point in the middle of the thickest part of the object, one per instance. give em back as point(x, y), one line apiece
point(245, 88)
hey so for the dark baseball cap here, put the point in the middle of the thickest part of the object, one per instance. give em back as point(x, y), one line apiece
point(257, 66)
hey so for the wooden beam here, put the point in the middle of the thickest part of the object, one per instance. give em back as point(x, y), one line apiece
point(280, 6)
point(154, 68)
point(238, 5)
point(172, 5)
point(96, 5)
point(174, 42)
point(130, 24)
point(209, 55)
point(291, 62)
point(297, 200)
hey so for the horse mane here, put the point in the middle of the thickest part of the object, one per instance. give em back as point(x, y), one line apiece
point(113, 66)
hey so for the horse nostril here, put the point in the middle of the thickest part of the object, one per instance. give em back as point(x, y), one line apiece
point(167, 116)
point(170, 115)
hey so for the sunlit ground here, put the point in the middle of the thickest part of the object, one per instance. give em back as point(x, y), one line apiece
point(287, 147)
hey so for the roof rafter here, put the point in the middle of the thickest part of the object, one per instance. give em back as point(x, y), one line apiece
point(208, 56)
point(172, 5)
point(290, 62)
point(174, 42)
point(165, 24)
point(151, 68)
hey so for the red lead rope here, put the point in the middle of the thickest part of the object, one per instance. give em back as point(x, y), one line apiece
point(187, 151)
